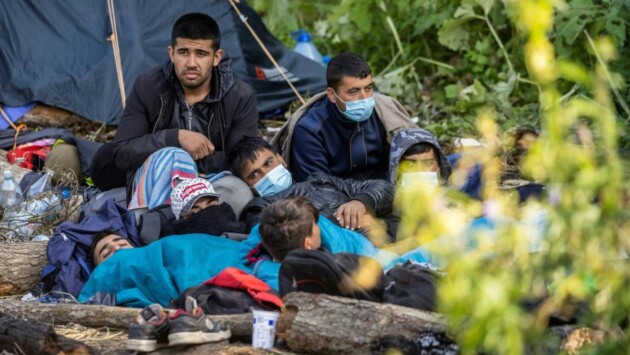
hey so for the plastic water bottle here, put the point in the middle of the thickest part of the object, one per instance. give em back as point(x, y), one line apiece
point(305, 46)
point(11, 193)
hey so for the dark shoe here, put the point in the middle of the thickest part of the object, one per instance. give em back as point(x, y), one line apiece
point(149, 331)
point(192, 326)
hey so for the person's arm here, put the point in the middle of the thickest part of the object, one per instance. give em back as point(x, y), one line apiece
point(134, 140)
point(308, 155)
point(370, 196)
point(245, 118)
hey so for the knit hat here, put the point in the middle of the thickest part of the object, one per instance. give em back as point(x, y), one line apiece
point(187, 192)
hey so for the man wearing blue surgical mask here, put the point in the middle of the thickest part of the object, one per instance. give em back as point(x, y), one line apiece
point(345, 131)
point(352, 203)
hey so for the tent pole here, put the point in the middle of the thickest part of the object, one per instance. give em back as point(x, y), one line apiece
point(264, 48)
point(114, 39)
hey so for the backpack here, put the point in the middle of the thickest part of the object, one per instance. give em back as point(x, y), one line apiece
point(232, 291)
point(412, 285)
point(318, 271)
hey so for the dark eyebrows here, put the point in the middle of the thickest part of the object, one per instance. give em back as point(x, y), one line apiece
point(107, 244)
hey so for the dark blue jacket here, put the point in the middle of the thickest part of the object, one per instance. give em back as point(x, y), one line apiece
point(68, 251)
point(325, 141)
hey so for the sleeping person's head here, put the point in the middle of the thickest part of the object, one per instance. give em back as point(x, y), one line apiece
point(105, 244)
point(289, 224)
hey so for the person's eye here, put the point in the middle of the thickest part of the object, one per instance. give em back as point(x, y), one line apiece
point(202, 54)
point(369, 88)
point(182, 52)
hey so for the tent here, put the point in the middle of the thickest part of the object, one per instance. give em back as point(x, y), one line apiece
point(58, 52)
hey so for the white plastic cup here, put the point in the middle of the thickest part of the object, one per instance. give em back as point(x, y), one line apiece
point(264, 328)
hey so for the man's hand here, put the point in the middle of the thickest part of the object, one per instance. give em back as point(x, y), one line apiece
point(350, 214)
point(195, 144)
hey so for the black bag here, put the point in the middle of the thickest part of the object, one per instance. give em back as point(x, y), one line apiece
point(318, 271)
point(217, 300)
point(412, 285)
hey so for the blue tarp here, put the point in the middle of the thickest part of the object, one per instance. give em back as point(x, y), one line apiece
point(58, 52)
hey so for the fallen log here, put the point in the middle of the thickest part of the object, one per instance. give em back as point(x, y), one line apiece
point(22, 336)
point(317, 323)
point(104, 316)
point(21, 266)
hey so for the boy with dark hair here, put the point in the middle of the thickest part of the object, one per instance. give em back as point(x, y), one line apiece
point(289, 224)
point(417, 151)
point(353, 204)
point(346, 130)
point(105, 244)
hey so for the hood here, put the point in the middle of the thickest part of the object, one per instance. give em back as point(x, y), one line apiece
point(404, 139)
point(223, 77)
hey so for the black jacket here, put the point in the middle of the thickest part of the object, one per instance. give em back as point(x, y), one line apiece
point(147, 121)
point(327, 193)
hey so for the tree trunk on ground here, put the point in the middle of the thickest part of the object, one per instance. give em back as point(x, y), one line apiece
point(317, 323)
point(103, 316)
point(21, 266)
point(30, 337)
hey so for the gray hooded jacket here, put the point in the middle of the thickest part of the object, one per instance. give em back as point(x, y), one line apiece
point(403, 140)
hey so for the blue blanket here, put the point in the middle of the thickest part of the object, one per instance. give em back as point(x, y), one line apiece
point(161, 271)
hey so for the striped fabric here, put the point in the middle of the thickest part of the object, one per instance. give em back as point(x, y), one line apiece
point(156, 178)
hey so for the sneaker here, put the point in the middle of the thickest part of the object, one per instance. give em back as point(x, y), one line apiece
point(193, 326)
point(149, 331)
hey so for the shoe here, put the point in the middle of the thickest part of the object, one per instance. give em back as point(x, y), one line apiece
point(149, 331)
point(193, 326)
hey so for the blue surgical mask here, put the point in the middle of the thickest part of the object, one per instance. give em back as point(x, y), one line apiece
point(276, 180)
point(358, 110)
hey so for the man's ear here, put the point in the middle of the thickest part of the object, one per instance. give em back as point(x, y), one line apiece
point(330, 93)
point(171, 51)
point(218, 55)
point(307, 243)
point(279, 157)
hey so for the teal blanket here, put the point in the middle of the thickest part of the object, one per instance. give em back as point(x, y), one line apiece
point(161, 271)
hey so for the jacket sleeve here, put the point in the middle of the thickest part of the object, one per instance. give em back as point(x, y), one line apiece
point(134, 141)
point(308, 155)
point(245, 118)
point(377, 195)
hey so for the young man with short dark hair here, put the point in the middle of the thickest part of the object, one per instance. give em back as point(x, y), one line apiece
point(352, 203)
point(346, 130)
point(105, 244)
point(193, 107)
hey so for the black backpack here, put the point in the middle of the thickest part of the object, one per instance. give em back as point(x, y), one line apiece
point(318, 271)
point(412, 285)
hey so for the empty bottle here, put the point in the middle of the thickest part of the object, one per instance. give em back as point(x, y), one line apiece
point(305, 46)
point(11, 193)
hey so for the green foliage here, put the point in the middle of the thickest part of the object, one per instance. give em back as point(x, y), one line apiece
point(479, 67)
point(420, 51)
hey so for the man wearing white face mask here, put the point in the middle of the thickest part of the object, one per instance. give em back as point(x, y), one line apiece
point(345, 131)
point(352, 203)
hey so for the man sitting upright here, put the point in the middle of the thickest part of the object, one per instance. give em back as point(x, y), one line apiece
point(346, 130)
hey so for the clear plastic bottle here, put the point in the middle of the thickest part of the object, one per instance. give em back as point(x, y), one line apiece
point(11, 193)
point(306, 47)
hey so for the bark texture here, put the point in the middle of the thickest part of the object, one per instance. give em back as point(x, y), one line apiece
point(103, 316)
point(21, 266)
point(23, 336)
point(317, 323)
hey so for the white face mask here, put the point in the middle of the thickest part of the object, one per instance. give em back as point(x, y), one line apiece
point(411, 179)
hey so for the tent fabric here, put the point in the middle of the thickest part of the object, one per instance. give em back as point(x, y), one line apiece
point(57, 52)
